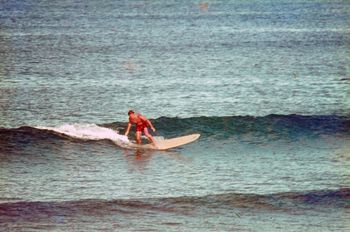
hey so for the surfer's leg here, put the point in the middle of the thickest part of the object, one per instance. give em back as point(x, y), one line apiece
point(149, 136)
point(138, 137)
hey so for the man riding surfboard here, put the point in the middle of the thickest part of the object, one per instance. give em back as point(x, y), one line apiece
point(142, 124)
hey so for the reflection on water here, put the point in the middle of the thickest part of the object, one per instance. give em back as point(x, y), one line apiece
point(139, 159)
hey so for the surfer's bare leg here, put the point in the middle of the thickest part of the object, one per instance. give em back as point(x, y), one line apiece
point(149, 137)
point(138, 137)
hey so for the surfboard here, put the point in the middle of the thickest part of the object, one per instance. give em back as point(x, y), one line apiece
point(170, 143)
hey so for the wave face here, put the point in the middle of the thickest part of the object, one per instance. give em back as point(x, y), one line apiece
point(272, 125)
point(268, 128)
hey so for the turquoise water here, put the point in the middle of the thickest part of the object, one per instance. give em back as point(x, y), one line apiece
point(91, 62)
point(265, 83)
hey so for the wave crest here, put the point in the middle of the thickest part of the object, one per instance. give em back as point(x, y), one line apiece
point(86, 132)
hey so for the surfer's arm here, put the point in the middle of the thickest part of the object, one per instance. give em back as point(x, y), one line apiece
point(150, 124)
point(128, 129)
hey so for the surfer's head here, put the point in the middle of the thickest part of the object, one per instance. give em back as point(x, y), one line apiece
point(132, 116)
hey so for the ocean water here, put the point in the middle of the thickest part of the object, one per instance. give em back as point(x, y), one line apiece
point(265, 83)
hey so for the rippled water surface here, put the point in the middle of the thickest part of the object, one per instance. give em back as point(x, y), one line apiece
point(265, 83)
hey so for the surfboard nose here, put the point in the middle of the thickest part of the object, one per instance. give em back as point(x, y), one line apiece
point(176, 142)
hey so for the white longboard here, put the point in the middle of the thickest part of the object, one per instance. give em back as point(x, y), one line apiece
point(170, 143)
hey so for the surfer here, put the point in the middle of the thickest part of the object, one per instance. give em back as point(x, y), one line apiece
point(142, 124)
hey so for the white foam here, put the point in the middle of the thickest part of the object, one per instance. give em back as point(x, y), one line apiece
point(88, 132)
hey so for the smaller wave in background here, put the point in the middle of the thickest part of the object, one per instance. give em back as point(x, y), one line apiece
point(292, 201)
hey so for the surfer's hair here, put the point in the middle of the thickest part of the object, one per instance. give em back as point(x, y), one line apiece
point(131, 112)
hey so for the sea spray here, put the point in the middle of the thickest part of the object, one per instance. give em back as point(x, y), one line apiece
point(87, 132)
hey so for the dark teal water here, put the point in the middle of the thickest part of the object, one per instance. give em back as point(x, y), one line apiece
point(265, 83)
